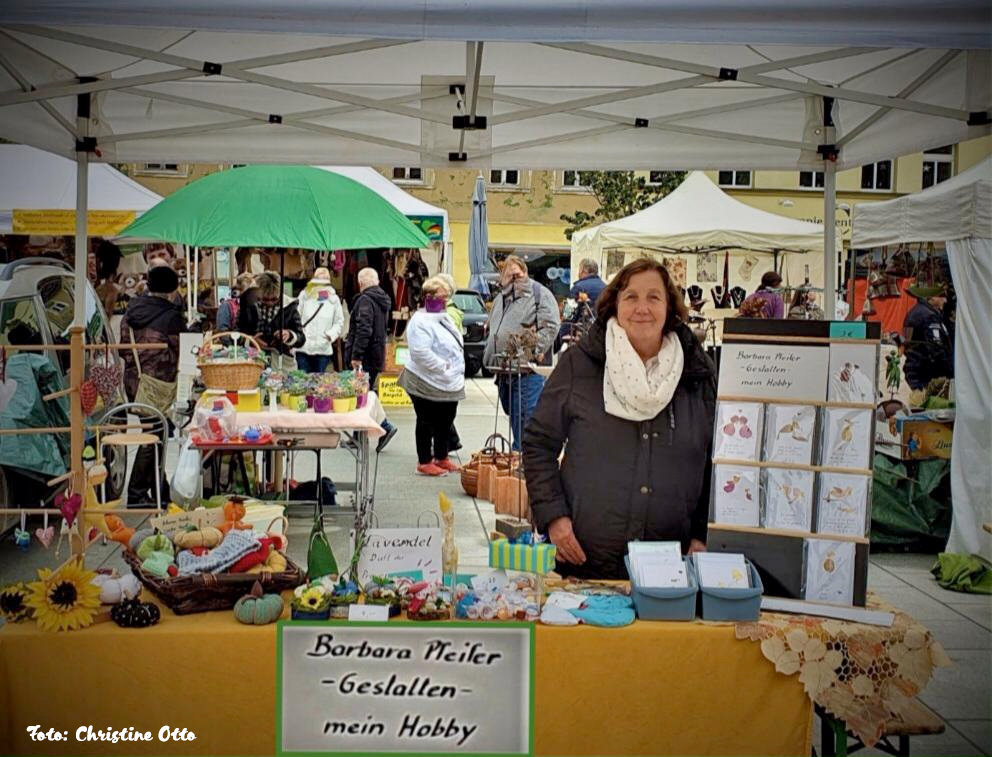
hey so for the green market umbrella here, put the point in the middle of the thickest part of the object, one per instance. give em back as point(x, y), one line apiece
point(278, 206)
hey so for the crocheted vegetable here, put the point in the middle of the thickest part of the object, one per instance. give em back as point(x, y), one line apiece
point(258, 557)
point(233, 513)
point(139, 536)
point(119, 532)
point(114, 590)
point(132, 613)
point(276, 563)
point(208, 536)
point(256, 608)
point(158, 564)
point(155, 543)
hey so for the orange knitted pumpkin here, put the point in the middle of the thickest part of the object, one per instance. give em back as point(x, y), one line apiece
point(233, 513)
point(118, 531)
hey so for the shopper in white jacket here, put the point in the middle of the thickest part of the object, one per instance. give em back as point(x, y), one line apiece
point(434, 377)
point(323, 320)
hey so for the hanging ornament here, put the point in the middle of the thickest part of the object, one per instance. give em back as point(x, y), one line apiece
point(107, 378)
point(22, 538)
point(88, 396)
point(45, 534)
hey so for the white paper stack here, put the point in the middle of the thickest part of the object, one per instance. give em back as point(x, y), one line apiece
point(722, 570)
point(657, 564)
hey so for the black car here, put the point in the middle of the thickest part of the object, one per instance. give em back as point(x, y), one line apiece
point(474, 323)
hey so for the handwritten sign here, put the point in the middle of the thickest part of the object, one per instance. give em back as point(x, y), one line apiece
point(388, 551)
point(392, 394)
point(369, 687)
point(171, 524)
point(765, 371)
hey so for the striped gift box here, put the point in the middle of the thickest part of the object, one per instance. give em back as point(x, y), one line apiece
point(529, 558)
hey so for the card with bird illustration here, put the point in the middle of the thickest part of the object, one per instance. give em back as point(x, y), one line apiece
point(789, 433)
point(842, 504)
point(846, 438)
point(788, 499)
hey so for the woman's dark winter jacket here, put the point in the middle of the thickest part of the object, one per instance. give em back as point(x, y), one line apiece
point(153, 319)
point(367, 329)
point(620, 480)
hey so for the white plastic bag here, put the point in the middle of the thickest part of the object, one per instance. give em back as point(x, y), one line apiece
point(186, 479)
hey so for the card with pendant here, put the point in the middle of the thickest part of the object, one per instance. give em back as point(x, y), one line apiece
point(738, 431)
point(829, 575)
point(788, 499)
point(846, 438)
point(789, 433)
point(735, 495)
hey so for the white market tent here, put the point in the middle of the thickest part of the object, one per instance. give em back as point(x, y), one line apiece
point(34, 179)
point(698, 216)
point(956, 212)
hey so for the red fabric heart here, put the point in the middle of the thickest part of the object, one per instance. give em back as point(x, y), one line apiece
point(70, 507)
point(88, 397)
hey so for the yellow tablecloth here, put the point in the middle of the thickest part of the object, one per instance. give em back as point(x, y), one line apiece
point(649, 688)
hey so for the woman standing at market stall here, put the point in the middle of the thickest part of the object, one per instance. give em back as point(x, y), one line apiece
point(323, 322)
point(434, 377)
point(633, 406)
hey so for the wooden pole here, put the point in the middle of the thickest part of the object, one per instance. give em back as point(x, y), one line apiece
point(76, 440)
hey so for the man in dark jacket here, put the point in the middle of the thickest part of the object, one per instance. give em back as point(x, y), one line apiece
point(366, 344)
point(275, 325)
point(929, 354)
point(589, 283)
point(152, 317)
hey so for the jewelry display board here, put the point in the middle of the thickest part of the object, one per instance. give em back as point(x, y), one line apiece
point(795, 426)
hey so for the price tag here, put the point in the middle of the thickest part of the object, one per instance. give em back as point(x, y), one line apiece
point(368, 612)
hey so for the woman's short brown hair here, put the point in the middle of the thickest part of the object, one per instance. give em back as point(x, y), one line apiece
point(606, 305)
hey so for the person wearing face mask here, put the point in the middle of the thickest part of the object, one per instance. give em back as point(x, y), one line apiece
point(323, 321)
point(633, 407)
point(434, 377)
point(523, 305)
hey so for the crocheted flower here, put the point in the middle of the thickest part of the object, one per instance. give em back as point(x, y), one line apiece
point(12, 603)
point(64, 600)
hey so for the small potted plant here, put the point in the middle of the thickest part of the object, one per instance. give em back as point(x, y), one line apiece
point(310, 602)
point(339, 394)
point(297, 394)
point(322, 400)
point(348, 389)
point(361, 388)
point(382, 591)
point(344, 595)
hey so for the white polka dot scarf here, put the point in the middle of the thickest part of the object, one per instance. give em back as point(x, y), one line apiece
point(632, 389)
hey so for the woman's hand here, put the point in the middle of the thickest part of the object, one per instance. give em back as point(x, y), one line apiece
point(696, 546)
point(563, 537)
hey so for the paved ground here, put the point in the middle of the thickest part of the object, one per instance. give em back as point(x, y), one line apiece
point(962, 622)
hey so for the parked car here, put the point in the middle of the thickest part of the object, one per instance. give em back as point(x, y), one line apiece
point(36, 307)
point(471, 303)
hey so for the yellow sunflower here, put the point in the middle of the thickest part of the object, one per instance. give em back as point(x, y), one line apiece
point(64, 600)
point(12, 607)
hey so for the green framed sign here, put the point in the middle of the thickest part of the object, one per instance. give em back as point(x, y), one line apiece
point(364, 688)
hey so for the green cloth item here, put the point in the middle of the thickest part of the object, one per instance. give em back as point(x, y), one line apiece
point(320, 558)
point(156, 543)
point(968, 573)
point(34, 375)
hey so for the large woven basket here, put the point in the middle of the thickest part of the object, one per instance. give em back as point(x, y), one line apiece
point(203, 592)
point(229, 374)
point(496, 451)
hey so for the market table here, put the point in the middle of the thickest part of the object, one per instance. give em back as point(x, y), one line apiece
point(648, 688)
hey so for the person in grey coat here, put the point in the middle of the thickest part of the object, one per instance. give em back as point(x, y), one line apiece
point(522, 305)
point(633, 408)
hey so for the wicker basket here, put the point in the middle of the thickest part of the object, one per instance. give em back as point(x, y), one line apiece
point(203, 592)
point(496, 451)
point(231, 375)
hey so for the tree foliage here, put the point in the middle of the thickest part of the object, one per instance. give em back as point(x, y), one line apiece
point(620, 194)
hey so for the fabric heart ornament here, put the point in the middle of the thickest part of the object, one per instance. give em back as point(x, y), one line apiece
point(69, 507)
point(88, 397)
point(45, 535)
point(107, 379)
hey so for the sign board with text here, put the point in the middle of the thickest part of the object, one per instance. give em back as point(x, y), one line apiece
point(388, 551)
point(772, 371)
point(99, 223)
point(392, 394)
point(404, 688)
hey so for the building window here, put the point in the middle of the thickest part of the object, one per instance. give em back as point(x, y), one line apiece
point(571, 179)
point(507, 177)
point(811, 179)
point(734, 178)
point(938, 165)
point(408, 174)
point(163, 169)
point(657, 177)
point(877, 176)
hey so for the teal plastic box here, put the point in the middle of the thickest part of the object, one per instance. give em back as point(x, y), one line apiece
point(665, 604)
point(731, 604)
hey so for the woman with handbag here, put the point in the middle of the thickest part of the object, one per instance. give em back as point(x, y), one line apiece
point(323, 321)
point(150, 375)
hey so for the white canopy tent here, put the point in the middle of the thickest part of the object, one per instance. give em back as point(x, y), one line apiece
point(698, 216)
point(34, 179)
point(956, 212)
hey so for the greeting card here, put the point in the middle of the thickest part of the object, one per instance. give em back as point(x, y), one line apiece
point(846, 438)
point(738, 430)
point(788, 499)
point(829, 571)
point(852, 373)
point(735, 497)
point(842, 504)
point(789, 433)
point(722, 570)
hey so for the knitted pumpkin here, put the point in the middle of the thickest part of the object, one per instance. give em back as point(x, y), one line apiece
point(137, 537)
point(275, 563)
point(257, 608)
point(114, 590)
point(118, 531)
point(208, 536)
point(234, 511)
point(155, 543)
point(133, 613)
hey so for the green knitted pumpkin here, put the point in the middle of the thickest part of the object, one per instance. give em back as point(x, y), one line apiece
point(257, 608)
point(156, 543)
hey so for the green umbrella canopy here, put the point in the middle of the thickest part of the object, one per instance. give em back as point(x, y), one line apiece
point(278, 206)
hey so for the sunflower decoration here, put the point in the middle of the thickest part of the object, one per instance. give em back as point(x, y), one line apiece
point(12, 603)
point(64, 600)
